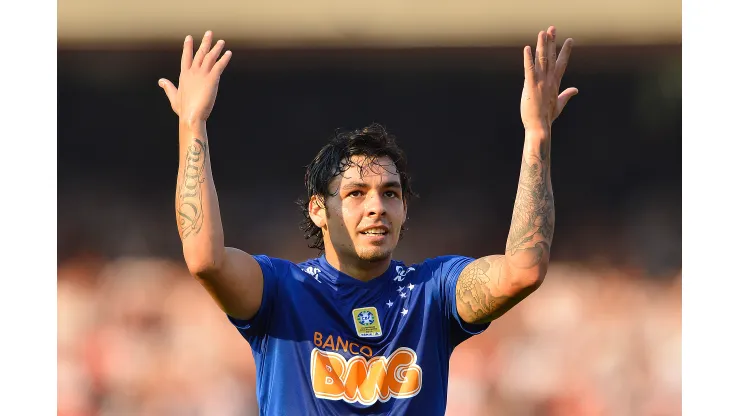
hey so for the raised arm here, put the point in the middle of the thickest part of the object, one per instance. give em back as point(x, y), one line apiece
point(490, 286)
point(232, 277)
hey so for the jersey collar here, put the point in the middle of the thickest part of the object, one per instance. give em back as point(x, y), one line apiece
point(345, 279)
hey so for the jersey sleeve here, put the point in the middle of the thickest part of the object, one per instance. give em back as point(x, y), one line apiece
point(258, 324)
point(446, 270)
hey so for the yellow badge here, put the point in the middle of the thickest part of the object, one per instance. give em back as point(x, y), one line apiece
point(367, 322)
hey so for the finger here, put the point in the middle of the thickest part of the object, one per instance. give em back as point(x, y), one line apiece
point(564, 97)
point(170, 90)
point(563, 58)
point(211, 57)
point(551, 49)
point(221, 63)
point(205, 46)
point(187, 53)
point(528, 64)
point(541, 64)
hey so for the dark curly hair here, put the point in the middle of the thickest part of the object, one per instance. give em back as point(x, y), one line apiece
point(334, 158)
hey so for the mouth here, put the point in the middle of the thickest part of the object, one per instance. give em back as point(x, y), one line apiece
point(376, 232)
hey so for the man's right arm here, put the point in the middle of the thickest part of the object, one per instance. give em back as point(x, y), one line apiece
point(232, 277)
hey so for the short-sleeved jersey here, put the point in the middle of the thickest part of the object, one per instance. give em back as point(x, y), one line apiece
point(325, 343)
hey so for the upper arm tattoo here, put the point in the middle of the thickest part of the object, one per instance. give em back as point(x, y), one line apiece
point(190, 192)
point(480, 296)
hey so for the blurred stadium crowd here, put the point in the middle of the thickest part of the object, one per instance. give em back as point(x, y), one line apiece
point(138, 336)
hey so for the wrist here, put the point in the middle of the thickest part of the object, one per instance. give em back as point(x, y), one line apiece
point(537, 132)
point(195, 128)
point(537, 143)
point(191, 122)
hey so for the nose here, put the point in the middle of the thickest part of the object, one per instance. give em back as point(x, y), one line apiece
point(374, 205)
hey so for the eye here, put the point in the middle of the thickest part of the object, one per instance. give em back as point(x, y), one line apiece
point(354, 194)
point(392, 194)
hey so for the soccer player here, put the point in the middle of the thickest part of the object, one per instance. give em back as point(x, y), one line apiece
point(355, 331)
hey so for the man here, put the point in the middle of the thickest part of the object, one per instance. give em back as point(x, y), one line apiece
point(353, 331)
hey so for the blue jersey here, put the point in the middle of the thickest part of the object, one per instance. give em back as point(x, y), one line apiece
point(325, 343)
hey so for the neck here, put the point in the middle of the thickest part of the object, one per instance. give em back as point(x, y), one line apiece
point(359, 269)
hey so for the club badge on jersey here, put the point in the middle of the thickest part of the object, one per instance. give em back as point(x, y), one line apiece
point(367, 322)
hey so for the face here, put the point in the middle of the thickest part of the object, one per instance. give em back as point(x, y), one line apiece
point(362, 218)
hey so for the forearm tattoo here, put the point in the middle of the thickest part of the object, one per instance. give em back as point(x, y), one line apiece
point(533, 220)
point(190, 191)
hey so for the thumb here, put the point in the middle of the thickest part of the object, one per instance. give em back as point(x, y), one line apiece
point(565, 96)
point(171, 91)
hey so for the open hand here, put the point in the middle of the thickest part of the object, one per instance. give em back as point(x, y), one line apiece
point(541, 104)
point(195, 95)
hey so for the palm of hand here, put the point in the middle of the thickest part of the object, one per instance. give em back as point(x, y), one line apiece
point(195, 95)
point(541, 104)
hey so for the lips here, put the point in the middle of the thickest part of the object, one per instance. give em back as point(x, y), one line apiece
point(375, 230)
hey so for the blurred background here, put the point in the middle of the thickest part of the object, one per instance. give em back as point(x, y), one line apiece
point(602, 336)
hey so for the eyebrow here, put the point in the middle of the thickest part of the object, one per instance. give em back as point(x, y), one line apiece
point(389, 184)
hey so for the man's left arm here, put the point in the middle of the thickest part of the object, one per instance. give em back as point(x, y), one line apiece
point(490, 286)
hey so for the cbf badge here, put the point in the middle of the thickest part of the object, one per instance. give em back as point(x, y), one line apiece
point(367, 322)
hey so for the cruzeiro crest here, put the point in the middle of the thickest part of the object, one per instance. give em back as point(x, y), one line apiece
point(367, 322)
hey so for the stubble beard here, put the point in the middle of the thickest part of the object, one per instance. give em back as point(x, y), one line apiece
point(374, 254)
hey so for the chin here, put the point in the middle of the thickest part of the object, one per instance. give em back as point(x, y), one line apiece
point(374, 254)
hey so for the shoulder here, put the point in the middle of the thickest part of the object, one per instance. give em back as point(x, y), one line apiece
point(285, 269)
point(442, 265)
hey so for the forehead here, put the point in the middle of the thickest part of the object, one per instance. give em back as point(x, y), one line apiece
point(368, 170)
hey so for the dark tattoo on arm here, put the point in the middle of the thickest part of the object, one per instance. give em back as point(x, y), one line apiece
point(190, 191)
point(481, 296)
point(476, 301)
point(533, 220)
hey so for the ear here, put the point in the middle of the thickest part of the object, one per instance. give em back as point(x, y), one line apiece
point(317, 211)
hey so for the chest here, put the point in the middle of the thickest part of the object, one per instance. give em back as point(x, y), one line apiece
point(353, 321)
